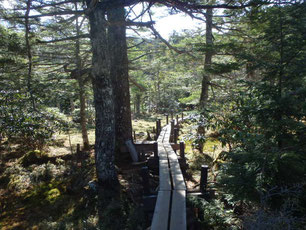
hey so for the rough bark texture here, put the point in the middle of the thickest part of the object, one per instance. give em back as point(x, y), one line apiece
point(208, 58)
point(103, 95)
point(119, 74)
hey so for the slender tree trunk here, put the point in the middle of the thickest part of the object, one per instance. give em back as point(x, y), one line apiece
point(208, 58)
point(58, 104)
point(280, 78)
point(250, 71)
point(119, 74)
point(206, 76)
point(83, 114)
point(72, 107)
point(158, 94)
point(137, 104)
point(29, 53)
point(103, 95)
point(81, 84)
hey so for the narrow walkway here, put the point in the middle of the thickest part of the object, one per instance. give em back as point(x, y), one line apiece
point(170, 208)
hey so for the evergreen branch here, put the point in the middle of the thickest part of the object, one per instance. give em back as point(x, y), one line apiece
point(64, 39)
point(137, 85)
point(64, 12)
point(168, 44)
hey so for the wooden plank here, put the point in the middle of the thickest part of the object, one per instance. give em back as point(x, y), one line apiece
point(178, 211)
point(175, 167)
point(130, 146)
point(167, 138)
point(161, 135)
point(178, 190)
point(178, 182)
point(164, 176)
point(161, 211)
point(140, 148)
point(167, 147)
point(176, 172)
point(167, 135)
point(162, 152)
point(172, 157)
point(177, 176)
point(171, 154)
point(169, 150)
point(175, 146)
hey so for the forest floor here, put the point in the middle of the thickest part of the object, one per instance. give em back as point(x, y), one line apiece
point(56, 189)
point(210, 156)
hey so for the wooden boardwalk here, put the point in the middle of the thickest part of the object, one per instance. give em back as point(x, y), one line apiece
point(170, 208)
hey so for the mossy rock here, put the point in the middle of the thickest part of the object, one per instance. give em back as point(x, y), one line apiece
point(33, 157)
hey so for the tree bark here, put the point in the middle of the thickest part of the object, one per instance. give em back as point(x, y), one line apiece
point(206, 76)
point(29, 53)
point(208, 60)
point(103, 98)
point(83, 114)
point(119, 74)
point(81, 82)
point(137, 104)
point(72, 107)
point(157, 87)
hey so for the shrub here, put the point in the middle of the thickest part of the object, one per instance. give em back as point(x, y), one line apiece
point(23, 125)
point(213, 214)
point(90, 116)
point(31, 157)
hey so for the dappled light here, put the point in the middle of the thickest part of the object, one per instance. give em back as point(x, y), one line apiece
point(152, 115)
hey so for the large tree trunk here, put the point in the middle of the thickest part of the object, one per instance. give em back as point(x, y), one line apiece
point(208, 58)
point(103, 95)
point(119, 74)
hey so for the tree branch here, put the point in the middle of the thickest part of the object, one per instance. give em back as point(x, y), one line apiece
point(168, 44)
point(137, 85)
point(64, 39)
point(64, 12)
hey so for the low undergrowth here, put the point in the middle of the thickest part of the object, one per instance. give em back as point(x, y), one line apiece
point(54, 189)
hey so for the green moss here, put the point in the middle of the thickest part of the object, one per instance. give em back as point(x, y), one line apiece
point(211, 145)
point(52, 195)
point(44, 193)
